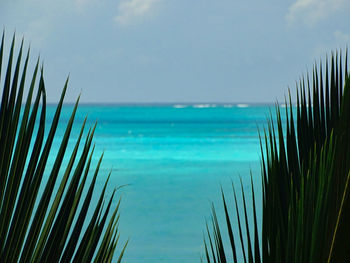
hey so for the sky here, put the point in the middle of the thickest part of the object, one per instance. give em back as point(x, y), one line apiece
point(163, 51)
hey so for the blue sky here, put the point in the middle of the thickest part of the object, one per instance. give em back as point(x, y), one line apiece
point(175, 50)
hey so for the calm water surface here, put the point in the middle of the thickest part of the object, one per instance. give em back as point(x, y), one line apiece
point(174, 159)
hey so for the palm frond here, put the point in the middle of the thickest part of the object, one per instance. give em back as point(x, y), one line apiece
point(305, 167)
point(43, 227)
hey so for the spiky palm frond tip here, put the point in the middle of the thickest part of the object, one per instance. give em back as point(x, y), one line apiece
point(305, 178)
point(53, 231)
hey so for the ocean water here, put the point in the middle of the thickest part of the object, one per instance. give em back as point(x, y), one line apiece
point(173, 159)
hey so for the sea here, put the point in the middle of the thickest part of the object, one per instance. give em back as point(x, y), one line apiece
point(169, 163)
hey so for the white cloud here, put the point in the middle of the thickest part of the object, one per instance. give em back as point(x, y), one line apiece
point(129, 10)
point(312, 11)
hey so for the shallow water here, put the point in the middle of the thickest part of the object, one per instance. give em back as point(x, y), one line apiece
point(174, 159)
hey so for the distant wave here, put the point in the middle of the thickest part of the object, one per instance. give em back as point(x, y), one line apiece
point(242, 105)
point(179, 106)
point(201, 106)
point(207, 105)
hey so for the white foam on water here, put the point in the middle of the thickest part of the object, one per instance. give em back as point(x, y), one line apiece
point(201, 106)
point(179, 106)
point(242, 105)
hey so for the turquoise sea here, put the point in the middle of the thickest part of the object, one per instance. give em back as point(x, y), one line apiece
point(173, 158)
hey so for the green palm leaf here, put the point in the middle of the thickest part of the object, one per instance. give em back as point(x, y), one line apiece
point(305, 173)
point(51, 232)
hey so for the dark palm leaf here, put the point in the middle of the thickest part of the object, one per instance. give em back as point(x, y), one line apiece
point(51, 232)
point(305, 173)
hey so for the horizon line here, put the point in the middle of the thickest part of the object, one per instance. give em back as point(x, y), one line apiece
point(166, 103)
